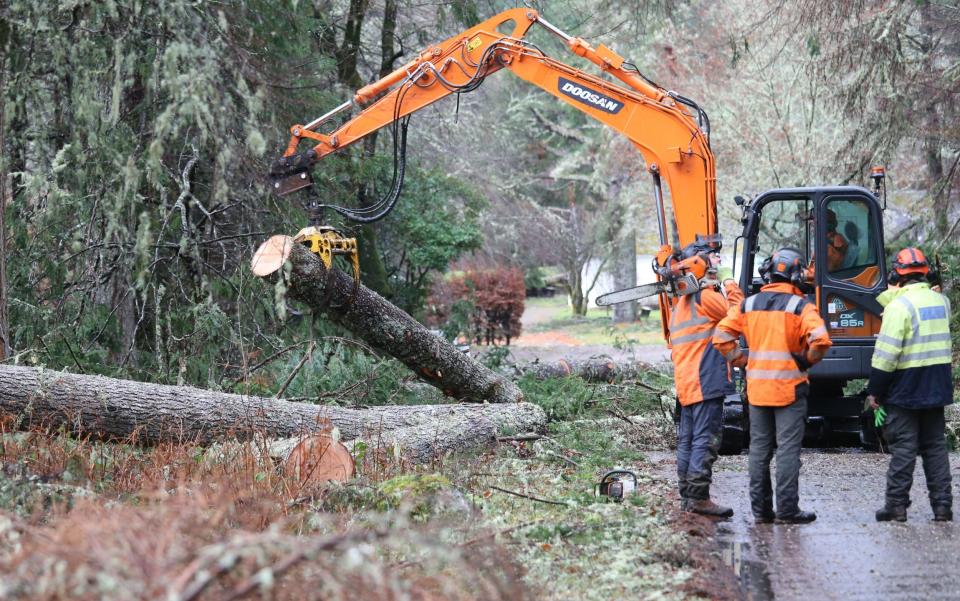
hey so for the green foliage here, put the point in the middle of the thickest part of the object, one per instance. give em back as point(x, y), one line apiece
point(457, 320)
point(338, 370)
point(574, 398)
point(137, 152)
point(948, 258)
point(534, 278)
point(435, 223)
point(496, 357)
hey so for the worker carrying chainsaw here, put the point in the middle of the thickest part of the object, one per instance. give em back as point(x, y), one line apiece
point(701, 374)
point(911, 379)
point(786, 337)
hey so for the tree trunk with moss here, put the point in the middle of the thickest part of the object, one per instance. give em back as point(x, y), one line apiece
point(144, 413)
point(389, 329)
point(592, 370)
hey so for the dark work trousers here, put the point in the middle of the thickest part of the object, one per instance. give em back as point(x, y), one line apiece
point(912, 431)
point(698, 443)
point(781, 428)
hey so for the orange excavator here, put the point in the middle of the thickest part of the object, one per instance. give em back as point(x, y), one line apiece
point(672, 134)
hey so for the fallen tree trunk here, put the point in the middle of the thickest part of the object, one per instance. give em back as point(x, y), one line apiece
point(592, 370)
point(423, 443)
point(387, 328)
point(114, 409)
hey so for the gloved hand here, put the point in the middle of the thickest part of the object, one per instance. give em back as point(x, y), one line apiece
point(724, 274)
point(879, 417)
point(801, 360)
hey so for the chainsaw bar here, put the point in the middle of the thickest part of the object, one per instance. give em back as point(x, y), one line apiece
point(688, 284)
point(630, 294)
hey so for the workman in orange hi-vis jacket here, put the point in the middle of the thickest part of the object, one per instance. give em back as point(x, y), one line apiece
point(702, 377)
point(785, 336)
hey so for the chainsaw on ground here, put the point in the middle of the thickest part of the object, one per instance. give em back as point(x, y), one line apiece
point(616, 484)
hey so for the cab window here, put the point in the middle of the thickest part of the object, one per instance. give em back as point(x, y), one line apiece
point(851, 242)
point(783, 223)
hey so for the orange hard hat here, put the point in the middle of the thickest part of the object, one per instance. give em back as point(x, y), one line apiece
point(911, 260)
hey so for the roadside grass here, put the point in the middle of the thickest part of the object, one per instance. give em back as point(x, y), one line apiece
point(594, 328)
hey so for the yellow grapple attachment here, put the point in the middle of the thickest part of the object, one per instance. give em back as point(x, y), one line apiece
point(327, 242)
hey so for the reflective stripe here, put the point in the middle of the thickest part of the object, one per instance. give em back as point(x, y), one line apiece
point(774, 374)
point(793, 303)
point(928, 338)
point(885, 355)
point(696, 321)
point(894, 342)
point(692, 337)
point(914, 319)
point(928, 341)
point(724, 337)
point(749, 304)
point(771, 355)
point(817, 333)
point(935, 312)
point(921, 355)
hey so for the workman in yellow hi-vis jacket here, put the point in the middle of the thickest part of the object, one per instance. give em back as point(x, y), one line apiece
point(911, 379)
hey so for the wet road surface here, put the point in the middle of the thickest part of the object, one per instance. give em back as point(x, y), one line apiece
point(845, 554)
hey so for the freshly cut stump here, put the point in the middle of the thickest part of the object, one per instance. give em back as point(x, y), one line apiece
point(271, 255)
point(318, 458)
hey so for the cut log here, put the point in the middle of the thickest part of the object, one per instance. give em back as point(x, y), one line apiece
point(315, 458)
point(423, 443)
point(387, 328)
point(108, 408)
point(593, 370)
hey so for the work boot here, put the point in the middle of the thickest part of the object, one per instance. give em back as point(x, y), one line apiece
point(894, 514)
point(708, 507)
point(766, 517)
point(798, 517)
point(942, 513)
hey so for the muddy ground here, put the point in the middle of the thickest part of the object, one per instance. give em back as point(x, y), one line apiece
point(845, 554)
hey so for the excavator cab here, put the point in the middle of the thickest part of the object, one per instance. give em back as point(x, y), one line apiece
point(839, 230)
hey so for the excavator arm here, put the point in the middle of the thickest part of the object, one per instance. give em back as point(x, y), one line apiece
point(663, 126)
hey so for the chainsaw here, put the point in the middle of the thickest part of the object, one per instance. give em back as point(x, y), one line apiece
point(674, 287)
point(616, 484)
point(678, 277)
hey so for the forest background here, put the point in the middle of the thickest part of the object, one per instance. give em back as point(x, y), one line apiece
point(135, 138)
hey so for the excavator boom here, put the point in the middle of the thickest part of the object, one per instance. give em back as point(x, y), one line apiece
point(663, 126)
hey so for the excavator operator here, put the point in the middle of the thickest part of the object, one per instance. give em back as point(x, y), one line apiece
point(702, 377)
point(786, 337)
point(837, 248)
point(837, 245)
